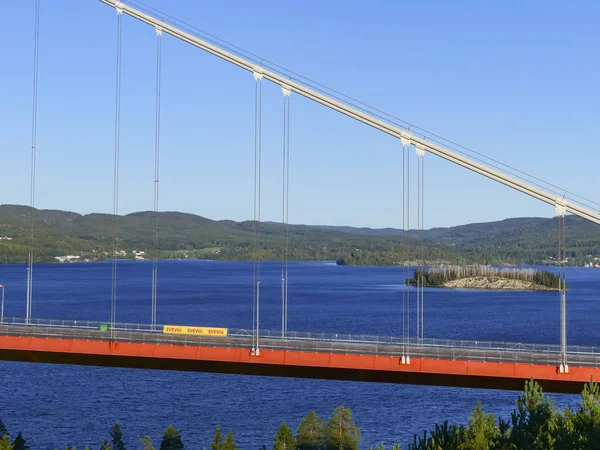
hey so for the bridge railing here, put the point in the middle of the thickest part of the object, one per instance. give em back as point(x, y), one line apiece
point(309, 341)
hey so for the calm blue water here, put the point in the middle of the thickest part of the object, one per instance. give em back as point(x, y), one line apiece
point(56, 405)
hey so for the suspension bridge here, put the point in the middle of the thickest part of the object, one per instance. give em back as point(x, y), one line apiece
point(411, 357)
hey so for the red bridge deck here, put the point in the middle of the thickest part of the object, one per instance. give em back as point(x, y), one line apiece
point(288, 363)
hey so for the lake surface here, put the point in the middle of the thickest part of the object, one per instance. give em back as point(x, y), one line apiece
point(54, 405)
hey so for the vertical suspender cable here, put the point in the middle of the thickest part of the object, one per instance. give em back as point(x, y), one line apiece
point(257, 197)
point(561, 290)
point(560, 256)
point(156, 173)
point(408, 253)
point(258, 224)
point(422, 246)
point(418, 279)
point(254, 227)
point(29, 298)
point(287, 210)
point(113, 311)
point(283, 255)
point(564, 292)
point(404, 287)
point(284, 208)
point(559, 264)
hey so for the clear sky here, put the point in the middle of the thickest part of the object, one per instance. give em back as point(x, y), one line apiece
point(517, 81)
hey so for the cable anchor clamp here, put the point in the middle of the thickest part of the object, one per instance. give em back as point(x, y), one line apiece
point(405, 139)
point(286, 90)
point(560, 207)
point(420, 150)
point(159, 30)
point(119, 7)
point(258, 73)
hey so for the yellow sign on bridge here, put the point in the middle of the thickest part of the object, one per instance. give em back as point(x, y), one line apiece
point(198, 331)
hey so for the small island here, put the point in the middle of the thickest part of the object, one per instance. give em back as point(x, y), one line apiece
point(485, 277)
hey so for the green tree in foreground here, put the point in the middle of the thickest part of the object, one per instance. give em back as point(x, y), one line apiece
point(229, 443)
point(585, 432)
point(147, 443)
point(341, 431)
point(5, 443)
point(116, 437)
point(284, 439)
point(481, 432)
point(217, 441)
point(20, 443)
point(105, 446)
point(533, 420)
point(3, 430)
point(311, 433)
point(171, 439)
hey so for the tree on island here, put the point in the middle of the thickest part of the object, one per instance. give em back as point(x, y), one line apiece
point(311, 433)
point(116, 437)
point(341, 431)
point(171, 439)
point(20, 443)
point(105, 446)
point(284, 439)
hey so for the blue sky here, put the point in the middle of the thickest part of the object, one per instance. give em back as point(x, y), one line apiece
point(517, 81)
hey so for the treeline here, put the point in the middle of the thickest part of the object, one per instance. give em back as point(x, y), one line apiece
point(313, 433)
point(187, 236)
point(437, 276)
point(535, 424)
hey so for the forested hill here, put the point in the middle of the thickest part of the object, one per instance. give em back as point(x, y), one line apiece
point(526, 240)
point(59, 233)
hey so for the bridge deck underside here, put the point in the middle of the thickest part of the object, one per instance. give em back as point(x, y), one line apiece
point(220, 355)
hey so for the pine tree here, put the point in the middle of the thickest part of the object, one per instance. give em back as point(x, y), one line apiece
point(105, 446)
point(533, 420)
point(171, 440)
point(341, 431)
point(586, 421)
point(20, 443)
point(229, 443)
point(116, 436)
point(3, 430)
point(147, 443)
point(284, 439)
point(481, 432)
point(217, 441)
point(311, 433)
point(5, 443)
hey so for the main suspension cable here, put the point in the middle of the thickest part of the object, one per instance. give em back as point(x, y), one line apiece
point(29, 303)
point(156, 174)
point(113, 312)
